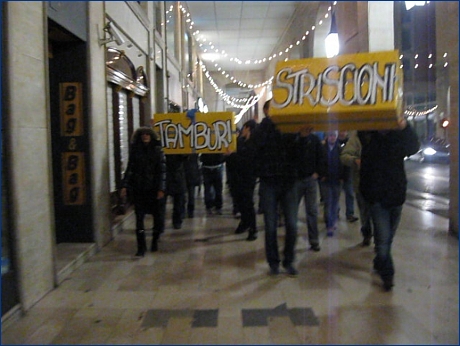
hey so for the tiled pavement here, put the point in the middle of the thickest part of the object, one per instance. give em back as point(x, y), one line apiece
point(207, 285)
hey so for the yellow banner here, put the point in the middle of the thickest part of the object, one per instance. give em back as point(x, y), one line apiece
point(209, 133)
point(348, 92)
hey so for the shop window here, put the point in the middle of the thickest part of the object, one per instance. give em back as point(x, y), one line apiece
point(171, 27)
point(127, 86)
point(158, 17)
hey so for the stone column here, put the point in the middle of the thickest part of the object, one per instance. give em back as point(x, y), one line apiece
point(27, 134)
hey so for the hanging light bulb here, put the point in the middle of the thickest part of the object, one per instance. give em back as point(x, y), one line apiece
point(332, 39)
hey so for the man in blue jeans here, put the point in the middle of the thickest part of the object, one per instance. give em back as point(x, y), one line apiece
point(311, 165)
point(383, 184)
point(276, 170)
point(213, 175)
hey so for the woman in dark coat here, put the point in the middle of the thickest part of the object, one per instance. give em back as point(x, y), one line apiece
point(145, 179)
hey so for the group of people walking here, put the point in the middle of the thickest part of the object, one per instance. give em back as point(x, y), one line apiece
point(289, 167)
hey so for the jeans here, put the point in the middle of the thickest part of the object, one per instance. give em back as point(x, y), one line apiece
point(212, 180)
point(189, 203)
point(308, 189)
point(364, 215)
point(331, 202)
point(386, 221)
point(347, 187)
point(272, 193)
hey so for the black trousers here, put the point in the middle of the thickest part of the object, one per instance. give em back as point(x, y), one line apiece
point(245, 200)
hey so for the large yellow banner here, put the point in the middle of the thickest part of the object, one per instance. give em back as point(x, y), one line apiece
point(205, 133)
point(348, 92)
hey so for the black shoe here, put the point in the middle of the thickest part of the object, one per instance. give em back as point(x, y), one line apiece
point(209, 211)
point(219, 211)
point(252, 236)
point(141, 244)
point(388, 284)
point(366, 242)
point(291, 271)
point(352, 218)
point(274, 270)
point(155, 238)
point(190, 215)
point(241, 229)
point(177, 225)
point(315, 247)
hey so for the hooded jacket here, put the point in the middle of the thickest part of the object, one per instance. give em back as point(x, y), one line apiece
point(145, 174)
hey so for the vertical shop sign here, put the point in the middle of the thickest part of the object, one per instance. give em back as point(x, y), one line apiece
point(73, 159)
point(71, 109)
point(73, 164)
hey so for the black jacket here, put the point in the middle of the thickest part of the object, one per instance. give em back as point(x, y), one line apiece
point(212, 160)
point(175, 174)
point(241, 163)
point(145, 174)
point(311, 158)
point(382, 175)
point(276, 153)
point(192, 170)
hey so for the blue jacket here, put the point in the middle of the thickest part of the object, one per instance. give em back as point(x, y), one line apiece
point(335, 170)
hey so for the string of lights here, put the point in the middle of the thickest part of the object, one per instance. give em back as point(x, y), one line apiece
point(411, 112)
point(249, 105)
point(234, 102)
point(207, 46)
point(230, 100)
point(431, 59)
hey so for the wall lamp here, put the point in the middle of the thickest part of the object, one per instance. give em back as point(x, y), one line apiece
point(332, 39)
point(115, 35)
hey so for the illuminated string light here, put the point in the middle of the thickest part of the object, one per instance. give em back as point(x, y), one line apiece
point(249, 105)
point(207, 46)
point(411, 112)
point(239, 103)
point(430, 64)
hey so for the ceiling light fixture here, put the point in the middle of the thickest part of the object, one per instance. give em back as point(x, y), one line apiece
point(332, 39)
